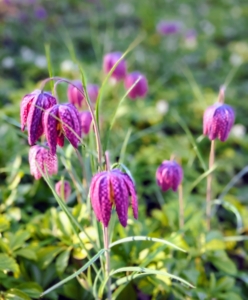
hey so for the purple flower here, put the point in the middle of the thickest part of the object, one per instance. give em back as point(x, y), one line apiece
point(86, 120)
point(218, 120)
point(32, 113)
point(63, 189)
point(41, 161)
point(169, 27)
point(40, 13)
point(113, 188)
point(169, 175)
point(92, 90)
point(74, 95)
point(59, 121)
point(110, 60)
point(141, 87)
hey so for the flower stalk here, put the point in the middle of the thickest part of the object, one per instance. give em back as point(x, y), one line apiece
point(209, 185)
point(181, 206)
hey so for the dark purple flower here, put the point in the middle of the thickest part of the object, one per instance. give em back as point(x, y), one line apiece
point(92, 90)
point(74, 95)
point(141, 87)
point(218, 120)
point(32, 113)
point(86, 120)
point(169, 175)
point(63, 189)
point(40, 13)
point(110, 60)
point(113, 188)
point(59, 121)
point(169, 27)
point(42, 161)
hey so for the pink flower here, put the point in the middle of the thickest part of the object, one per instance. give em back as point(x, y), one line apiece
point(140, 89)
point(113, 188)
point(74, 95)
point(86, 119)
point(218, 120)
point(42, 161)
point(169, 175)
point(63, 189)
point(110, 60)
point(169, 27)
point(62, 120)
point(32, 113)
point(92, 90)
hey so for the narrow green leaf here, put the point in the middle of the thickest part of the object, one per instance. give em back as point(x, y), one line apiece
point(27, 253)
point(4, 223)
point(32, 289)
point(15, 294)
point(8, 263)
point(62, 261)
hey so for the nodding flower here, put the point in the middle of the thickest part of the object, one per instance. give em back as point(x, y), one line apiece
point(218, 119)
point(113, 188)
point(110, 60)
point(63, 189)
point(86, 119)
point(33, 106)
point(74, 95)
point(169, 175)
point(93, 90)
point(41, 161)
point(62, 120)
point(141, 87)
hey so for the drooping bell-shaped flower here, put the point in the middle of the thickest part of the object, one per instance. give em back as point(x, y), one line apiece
point(113, 188)
point(63, 189)
point(169, 175)
point(33, 106)
point(140, 89)
point(86, 120)
point(110, 60)
point(74, 95)
point(62, 120)
point(169, 27)
point(218, 119)
point(93, 90)
point(42, 161)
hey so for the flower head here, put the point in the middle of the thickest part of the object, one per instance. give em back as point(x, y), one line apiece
point(62, 120)
point(169, 175)
point(141, 87)
point(33, 106)
point(86, 119)
point(92, 90)
point(63, 189)
point(113, 188)
point(110, 60)
point(41, 161)
point(74, 95)
point(169, 27)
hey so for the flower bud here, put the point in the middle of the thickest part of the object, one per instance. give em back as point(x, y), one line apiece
point(74, 95)
point(86, 119)
point(141, 87)
point(92, 90)
point(63, 189)
point(110, 60)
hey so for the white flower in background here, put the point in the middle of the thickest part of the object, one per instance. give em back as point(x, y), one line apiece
point(238, 130)
point(27, 54)
point(162, 107)
point(67, 66)
point(40, 61)
point(235, 60)
point(8, 62)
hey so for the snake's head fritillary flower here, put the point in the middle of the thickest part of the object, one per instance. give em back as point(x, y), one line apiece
point(86, 120)
point(169, 27)
point(110, 60)
point(33, 106)
point(74, 95)
point(141, 87)
point(113, 188)
point(62, 120)
point(42, 161)
point(93, 90)
point(169, 175)
point(63, 189)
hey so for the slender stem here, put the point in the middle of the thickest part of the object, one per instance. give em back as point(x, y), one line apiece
point(107, 160)
point(181, 206)
point(107, 268)
point(209, 185)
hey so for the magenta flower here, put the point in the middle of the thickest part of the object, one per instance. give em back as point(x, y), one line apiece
point(42, 161)
point(32, 113)
point(62, 120)
point(113, 188)
point(218, 120)
point(63, 189)
point(110, 60)
point(141, 87)
point(92, 90)
point(86, 120)
point(169, 175)
point(74, 95)
point(169, 27)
